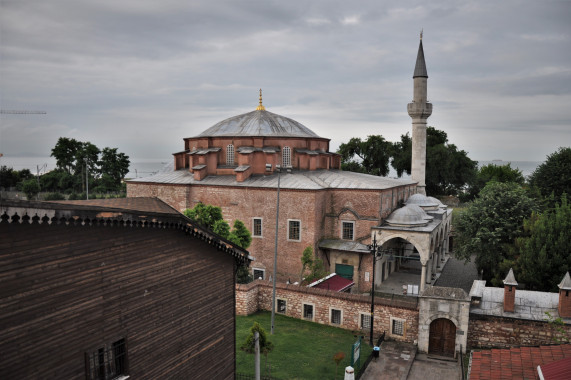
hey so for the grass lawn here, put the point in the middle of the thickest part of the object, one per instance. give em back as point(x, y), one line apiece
point(302, 349)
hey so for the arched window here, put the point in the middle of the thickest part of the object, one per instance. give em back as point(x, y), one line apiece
point(230, 155)
point(286, 156)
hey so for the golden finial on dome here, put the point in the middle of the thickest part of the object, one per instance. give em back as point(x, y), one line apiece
point(261, 106)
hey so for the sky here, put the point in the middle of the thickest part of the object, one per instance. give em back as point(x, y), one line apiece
point(141, 75)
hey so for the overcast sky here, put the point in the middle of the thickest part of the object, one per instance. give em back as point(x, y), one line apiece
point(141, 75)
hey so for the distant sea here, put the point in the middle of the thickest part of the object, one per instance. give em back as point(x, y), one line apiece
point(139, 167)
point(145, 167)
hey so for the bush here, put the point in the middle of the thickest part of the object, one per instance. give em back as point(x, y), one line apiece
point(54, 197)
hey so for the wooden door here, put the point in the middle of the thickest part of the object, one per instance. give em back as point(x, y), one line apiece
point(442, 338)
point(344, 271)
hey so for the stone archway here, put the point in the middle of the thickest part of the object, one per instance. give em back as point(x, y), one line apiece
point(442, 337)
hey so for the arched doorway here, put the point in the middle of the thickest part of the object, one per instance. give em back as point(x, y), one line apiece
point(442, 338)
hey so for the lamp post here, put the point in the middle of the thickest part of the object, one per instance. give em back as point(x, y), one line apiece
point(86, 178)
point(278, 169)
point(377, 255)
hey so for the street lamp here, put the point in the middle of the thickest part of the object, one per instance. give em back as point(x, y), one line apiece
point(378, 254)
point(86, 178)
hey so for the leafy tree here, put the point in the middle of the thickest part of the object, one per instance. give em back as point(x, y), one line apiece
point(242, 233)
point(114, 166)
point(65, 152)
point(553, 175)
point(497, 173)
point(306, 261)
point(31, 188)
point(373, 155)
point(205, 215)
point(544, 253)
point(402, 155)
point(221, 228)
point(489, 226)
point(266, 346)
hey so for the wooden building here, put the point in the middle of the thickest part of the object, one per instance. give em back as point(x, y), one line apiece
point(109, 289)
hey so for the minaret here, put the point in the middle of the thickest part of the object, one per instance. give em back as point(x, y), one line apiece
point(419, 110)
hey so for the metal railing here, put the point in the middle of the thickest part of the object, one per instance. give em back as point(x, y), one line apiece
point(363, 368)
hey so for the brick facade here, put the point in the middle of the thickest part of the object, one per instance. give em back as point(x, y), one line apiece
point(258, 296)
point(490, 331)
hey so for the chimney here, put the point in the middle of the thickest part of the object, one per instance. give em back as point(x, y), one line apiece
point(509, 292)
point(564, 307)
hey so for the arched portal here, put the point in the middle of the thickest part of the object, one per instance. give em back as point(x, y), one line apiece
point(442, 338)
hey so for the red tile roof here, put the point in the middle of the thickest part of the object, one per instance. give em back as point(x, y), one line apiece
point(516, 363)
point(334, 282)
point(559, 370)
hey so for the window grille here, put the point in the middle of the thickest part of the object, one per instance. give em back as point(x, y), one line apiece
point(347, 230)
point(257, 228)
point(308, 311)
point(336, 316)
point(286, 156)
point(258, 273)
point(281, 306)
point(398, 327)
point(294, 227)
point(108, 362)
point(230, 154)
point(365, 322)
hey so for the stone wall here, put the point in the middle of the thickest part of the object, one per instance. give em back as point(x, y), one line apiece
point(490, 331)
point(258, 296)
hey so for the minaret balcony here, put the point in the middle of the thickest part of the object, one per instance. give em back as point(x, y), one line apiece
point(419, 110)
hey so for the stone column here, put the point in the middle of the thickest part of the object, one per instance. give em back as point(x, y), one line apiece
point(422, 276)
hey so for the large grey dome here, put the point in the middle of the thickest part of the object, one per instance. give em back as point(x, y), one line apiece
point(259, 123)
point(408, 216)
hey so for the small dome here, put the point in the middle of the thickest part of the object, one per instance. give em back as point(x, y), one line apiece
point(440, 204)
point(422, 201)
point(259, 123)
point(408, 216)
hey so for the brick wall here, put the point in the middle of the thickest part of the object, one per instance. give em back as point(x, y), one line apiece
point(489, 331)
point(258, 296)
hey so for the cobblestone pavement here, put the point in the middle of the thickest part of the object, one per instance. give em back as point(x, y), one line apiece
point(400, 361)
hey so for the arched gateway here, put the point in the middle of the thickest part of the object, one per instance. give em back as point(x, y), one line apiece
point(442, 337)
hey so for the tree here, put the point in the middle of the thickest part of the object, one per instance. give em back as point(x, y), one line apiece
point(242, 233)
point(114, 166)
point(265, 345)
point(553, 175)
point(306, 261)
point(31, 188)
point(544, 253)
point(448, 169)
point(373, 155)
point(65, 152)
point(205, 215)
point(497, 173)
point(489, 226)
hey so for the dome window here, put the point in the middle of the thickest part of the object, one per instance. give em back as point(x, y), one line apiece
point(230, 154)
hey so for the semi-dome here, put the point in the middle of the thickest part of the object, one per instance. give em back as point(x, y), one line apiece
point(422, 201)
point(440, 204)
point(408, 216)
point(259, 123)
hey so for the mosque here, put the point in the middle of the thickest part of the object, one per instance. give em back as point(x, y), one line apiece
point(245, 163)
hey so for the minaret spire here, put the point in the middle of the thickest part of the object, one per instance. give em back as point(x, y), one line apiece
point(419, 110)
point(260, 106)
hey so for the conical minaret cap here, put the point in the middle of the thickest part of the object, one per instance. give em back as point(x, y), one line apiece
point(510, 278)
point(420, 67)
point(565, 283)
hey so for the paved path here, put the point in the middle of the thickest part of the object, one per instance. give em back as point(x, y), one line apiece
point(400, 361)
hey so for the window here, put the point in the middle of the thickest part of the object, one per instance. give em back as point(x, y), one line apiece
point(230, 154)
point(293, 230)
point(308, 311)
point(336, 316)
point(257, 227)
point(107, 362)
point(259, 273)
point(347, 230)
point(286, 157)
point(397, 326)
point(366, 322)
point(281, 306)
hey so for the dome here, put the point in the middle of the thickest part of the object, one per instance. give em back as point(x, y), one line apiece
point(408, 216)
point(423, 201)
point(440, 204)
point(259, 123)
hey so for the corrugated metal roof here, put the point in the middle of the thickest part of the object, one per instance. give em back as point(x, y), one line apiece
point(302, 180)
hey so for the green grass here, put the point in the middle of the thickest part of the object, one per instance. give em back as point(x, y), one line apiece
point(302, 349)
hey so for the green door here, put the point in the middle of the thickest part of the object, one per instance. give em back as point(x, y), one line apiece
point(344, 270)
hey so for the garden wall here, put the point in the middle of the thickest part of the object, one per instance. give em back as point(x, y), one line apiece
point(490, 331)
point(399, 318)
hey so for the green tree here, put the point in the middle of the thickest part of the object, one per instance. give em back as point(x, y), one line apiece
point(544, 253)
point(265, 345)
point(65, 152)
point(306, 261)
point(114, 166)
point(31, 188)
point(221, 228)
point(370, 156)
point(242, 233)
point(488, 227)
point(497, 173)
point(205, 215)
point(402, 155)
point(553, 175)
